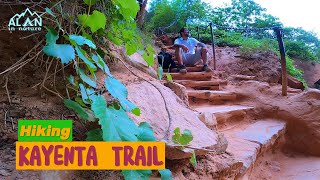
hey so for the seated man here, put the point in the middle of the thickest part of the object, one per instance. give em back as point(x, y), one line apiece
point(185, 51)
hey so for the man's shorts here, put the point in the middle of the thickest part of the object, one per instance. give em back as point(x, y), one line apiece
point(191, 59)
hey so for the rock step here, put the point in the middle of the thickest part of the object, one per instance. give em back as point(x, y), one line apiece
point(223, 114)
point(211, 95)
point(190, 83)
point(243, 77)
point(197, 68)
point(207, 88)
point(249, 141)
point(200, 85)
point(202, 76)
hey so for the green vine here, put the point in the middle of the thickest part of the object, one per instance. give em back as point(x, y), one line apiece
point(81, 50)
point(184, 139)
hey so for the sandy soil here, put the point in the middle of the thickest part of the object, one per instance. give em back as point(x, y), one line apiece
point(286, 166)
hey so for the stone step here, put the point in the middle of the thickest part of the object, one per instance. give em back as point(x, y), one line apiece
point(250, 141)
point(202, 76)
point(190, 83)
point(200, 85)
point(197, 68)
point(206, 88)
point(190, 69)
point(243, 77)
point(223, 114)
point(211, 95)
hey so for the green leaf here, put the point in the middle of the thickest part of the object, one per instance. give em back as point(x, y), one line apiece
point(95, 21)
point(87, 79)
point(148, 58)
point(79, 100)
point(128, 9)
point(114, 39)
point(91, 117)
point(150, 49)
point(49, 12)
point(73, 43)
point(86, 35)
point(101, 64)
point(59, 25)
point(85, 59)
point(136, 111)
point(183, 139)
point(87, 94)
point(52, 35)
point(127, 34)
point(116, 105)
point(101, 53)
point(71, 80)
point(77, 108)
point(193, 159)
point(94, 135)
point(119, 91)
point(169, 77)
point(115, 124)
point(146, 132)
point(63, 51)
point(89, 2)
point(136, 174)
point(80, 40)
point(160, 72)
point(166, 174)
point(131, 48)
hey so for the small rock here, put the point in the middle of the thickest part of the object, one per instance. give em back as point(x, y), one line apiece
point(7, 156)
point(275, 166)
point(208, 119)
point(19, 176)
point(4, 172)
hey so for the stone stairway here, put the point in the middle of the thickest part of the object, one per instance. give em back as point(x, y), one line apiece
point(220, 110)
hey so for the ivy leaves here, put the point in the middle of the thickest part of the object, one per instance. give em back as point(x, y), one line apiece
point(65, 52)
point(89, 2)
point(183, 139)
point(119, 91)
point(80, 40)
point(95, 21)
point(128, 8)
point(115, 124)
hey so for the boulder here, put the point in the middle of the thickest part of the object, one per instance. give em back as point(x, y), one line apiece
point(293, 82)
point(179, 90)
point(136, 60)
point(208, 119)
point(302, 113)
point(153, 111)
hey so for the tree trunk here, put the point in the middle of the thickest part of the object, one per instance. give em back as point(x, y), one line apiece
point(141, 13)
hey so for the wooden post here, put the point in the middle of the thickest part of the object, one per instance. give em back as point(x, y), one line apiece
point(213, 49)
point(278, 32)
point(198, 33)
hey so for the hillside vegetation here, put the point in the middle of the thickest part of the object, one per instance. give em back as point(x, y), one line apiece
point(235, 24)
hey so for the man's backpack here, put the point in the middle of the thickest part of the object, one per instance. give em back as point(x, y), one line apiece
point(165, 61)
